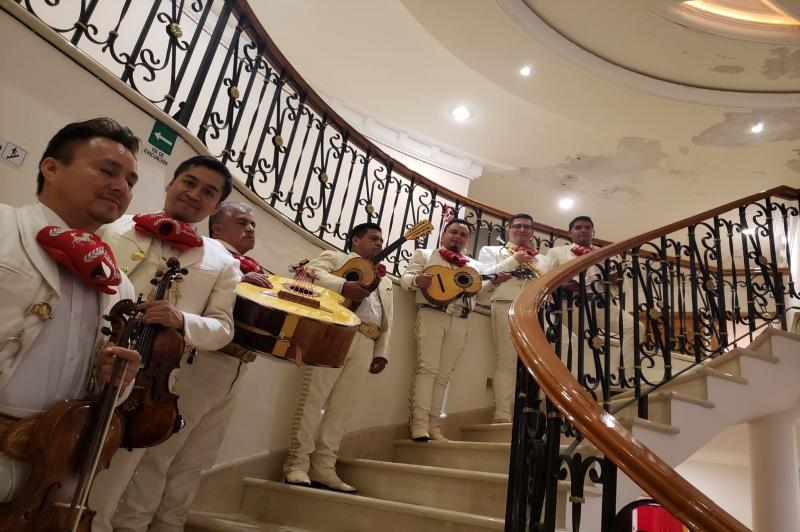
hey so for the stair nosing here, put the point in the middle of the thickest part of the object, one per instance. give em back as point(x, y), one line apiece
point(451, 444)
point(465, 474)
point(383, 504)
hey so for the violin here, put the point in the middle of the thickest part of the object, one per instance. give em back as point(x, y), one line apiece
point(66, 445)
point(151, 411)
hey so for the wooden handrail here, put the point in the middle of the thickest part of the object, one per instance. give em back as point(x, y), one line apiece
point(645, 468)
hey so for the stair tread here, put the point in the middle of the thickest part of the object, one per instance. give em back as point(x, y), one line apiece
point(488, 426)
point(454, 444)
point(429, 470)
point(394, 506)
point(235, 522)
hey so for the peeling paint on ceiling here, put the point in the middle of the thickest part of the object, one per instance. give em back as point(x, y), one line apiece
point(782, 63)
point(734, 130)
point(728, 69)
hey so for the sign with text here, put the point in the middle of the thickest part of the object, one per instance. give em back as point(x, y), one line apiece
point(161, 142)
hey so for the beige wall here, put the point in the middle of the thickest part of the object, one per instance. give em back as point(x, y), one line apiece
point(39, 96)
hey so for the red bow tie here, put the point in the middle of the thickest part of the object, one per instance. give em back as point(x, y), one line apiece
point(165, 228)
point(84, 254)
point(456, 259)
point(380, 269)
point(581, 250)
point(530, 251)
point(248, 265)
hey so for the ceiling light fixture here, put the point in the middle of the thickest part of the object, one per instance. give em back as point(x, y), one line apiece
point(525, 71)
point(758, 128)
point(566, 203)
point(461, 114)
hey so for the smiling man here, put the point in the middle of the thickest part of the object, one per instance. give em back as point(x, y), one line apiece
point(200, 307)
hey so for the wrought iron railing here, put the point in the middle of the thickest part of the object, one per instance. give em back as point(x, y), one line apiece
point(212, 68)
point(626, 320)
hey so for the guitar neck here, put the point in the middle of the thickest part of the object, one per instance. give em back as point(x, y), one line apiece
point(388, 250)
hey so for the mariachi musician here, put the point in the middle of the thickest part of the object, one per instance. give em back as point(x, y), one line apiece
point(58, 278)
point(517, 254)
point(441, 329)
point(160, 483)
point(234, 227)
point(310, 461)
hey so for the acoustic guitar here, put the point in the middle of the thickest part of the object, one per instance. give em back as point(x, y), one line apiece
point(449, 284)
point(363, 270)
point(294, 320)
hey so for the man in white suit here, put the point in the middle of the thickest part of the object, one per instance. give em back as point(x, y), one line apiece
point(441, 330)
point(313, 461)
point(234, 227)
point(516, 255)
point(57, 278)
point(164, 479)
point(581, 232)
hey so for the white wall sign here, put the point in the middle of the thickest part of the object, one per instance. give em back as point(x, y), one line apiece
point(12, 153)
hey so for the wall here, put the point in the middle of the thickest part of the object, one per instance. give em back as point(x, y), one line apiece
point(41, 96)
point(727, 485)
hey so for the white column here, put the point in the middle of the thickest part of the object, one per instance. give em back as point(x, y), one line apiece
point(774, 476)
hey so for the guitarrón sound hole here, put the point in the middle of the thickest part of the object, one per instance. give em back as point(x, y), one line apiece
point(353, 275)
point(463, 280)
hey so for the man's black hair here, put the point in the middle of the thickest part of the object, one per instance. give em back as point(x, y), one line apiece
point(458, 221)
point(62, 146)
point(211, 163)
point(361, 230)
point(580, 219)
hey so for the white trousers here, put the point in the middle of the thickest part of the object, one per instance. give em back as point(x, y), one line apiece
point(505, 373)
point(440, 341)
point(625, 335)
point(337, 391)
point(152, 489)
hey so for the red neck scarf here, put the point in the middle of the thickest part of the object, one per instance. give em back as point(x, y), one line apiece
point(165, 228)
point(247, 265)
point(84, 254)
point(581, 250)
point(380, 269)
point(530, 251)
point(456, 259)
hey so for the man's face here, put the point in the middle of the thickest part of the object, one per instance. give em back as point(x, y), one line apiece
point(368, 245)
point(520, 231)
point(194, 194)
point(582, 233)
point(94, 188)
point(455, 237)
point(237, 228)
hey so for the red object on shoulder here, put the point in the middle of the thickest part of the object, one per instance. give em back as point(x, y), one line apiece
point(83, 253)
point(165, 228)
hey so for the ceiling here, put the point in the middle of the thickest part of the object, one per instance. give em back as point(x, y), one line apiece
point(640, 116)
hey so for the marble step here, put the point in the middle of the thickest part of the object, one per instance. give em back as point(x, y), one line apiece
point(329, 511)
point(226, 522)
point(487, 432)
point(471, 456)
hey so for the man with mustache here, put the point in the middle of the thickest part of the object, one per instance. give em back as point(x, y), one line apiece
point(441, 329)
point(234, 227)
point(164, 479)
point(58, 279)
point(313, 462)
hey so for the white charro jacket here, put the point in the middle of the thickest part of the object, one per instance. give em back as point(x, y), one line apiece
point(28, 275)
point(421, 259)
point(329, 261)
point(206, 294)
point(496, 259)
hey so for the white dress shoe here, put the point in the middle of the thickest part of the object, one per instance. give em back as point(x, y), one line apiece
point(333, 484)
point(298, 478)
point(420, 434)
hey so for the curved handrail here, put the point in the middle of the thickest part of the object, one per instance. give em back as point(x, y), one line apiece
point(646, 469)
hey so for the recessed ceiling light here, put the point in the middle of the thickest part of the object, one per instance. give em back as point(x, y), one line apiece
point(461, 114)
point(525, 71)
point(758, 128)
point(566, 203)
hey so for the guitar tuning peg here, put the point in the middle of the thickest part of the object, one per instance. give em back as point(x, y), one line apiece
point(106, 331)
point(154, 281)
point(106, 317)
point(184, 271)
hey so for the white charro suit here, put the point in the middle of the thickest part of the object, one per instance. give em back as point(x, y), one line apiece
point(496, 259)
point(441, 337)
point(560, 255)
point(159, 483)
point(28, 275)
point(337, 390)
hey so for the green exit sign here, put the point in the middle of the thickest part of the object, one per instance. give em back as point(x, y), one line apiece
point(162, 137)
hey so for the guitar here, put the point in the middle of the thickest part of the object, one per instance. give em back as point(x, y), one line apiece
point(294, 320)
point(363, 270)
point(449, 284)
